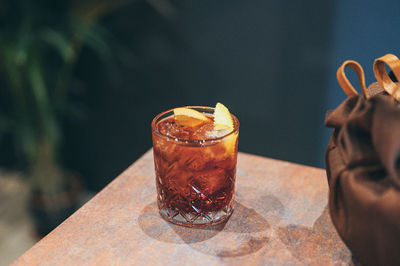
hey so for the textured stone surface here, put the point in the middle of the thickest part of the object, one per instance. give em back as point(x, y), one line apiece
point(281, 217)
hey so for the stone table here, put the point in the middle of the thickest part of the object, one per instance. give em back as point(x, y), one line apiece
point(281, 217)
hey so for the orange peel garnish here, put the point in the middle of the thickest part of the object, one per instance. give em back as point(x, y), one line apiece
point(223, 121)
point(189, 117)
point(222, 118)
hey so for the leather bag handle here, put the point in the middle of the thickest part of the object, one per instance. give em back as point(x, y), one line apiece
point(345, 83)
point(381, 75)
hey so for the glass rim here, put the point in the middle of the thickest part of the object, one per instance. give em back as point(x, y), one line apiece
point(204, 142)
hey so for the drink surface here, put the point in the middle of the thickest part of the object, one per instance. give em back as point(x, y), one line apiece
point(190, 130)
point(197, 179)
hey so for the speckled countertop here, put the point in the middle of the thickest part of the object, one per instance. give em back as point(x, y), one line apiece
point(281, 217)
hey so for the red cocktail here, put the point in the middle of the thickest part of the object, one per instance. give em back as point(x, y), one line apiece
point(195, 165)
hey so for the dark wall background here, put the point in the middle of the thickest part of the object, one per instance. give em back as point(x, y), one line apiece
point(265, 60)
point(272, 63)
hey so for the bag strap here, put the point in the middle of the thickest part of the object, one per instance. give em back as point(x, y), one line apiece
point(345, 83)
point(393, 88)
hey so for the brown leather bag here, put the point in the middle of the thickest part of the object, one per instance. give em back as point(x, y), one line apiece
point(363, 165)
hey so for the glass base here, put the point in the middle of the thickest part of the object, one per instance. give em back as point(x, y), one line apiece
point(196, 219)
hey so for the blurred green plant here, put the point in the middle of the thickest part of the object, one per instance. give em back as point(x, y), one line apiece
point(40, 44)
